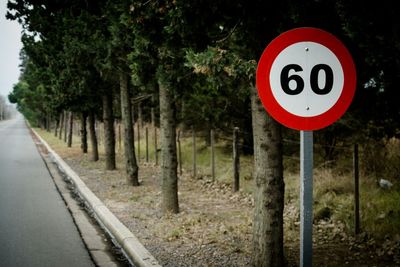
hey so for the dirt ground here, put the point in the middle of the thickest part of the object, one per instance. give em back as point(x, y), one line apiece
point(214, 226)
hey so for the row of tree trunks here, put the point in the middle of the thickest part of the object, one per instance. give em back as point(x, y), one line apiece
point(89, 117)
point(64, 124)
point(268, 173)
point(268, 163)
point(66, 120)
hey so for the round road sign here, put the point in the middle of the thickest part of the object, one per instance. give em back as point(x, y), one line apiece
point(306, 79)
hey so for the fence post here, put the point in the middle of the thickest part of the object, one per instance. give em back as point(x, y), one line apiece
point(147, 144)
point(194, 153)
point(65, 125)
point(61, 125)
point(356, 191)
point(153, 116)
point(178, 140)
point(138, 140)
point(212, 155)
point(119, 137)
point(70, 129)
point(155, 145)
point(236, 160)
point(100, 134)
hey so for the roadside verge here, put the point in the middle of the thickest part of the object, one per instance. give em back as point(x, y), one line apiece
point(128, 242)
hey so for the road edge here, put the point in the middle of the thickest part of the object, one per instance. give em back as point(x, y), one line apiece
point(129, 243)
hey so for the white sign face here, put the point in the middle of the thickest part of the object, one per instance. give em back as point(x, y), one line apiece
point(306, 79)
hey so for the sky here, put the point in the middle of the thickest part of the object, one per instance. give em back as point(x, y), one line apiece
point(10, 45)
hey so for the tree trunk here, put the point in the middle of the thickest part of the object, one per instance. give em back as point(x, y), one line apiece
point(169, 175)
point(65, 126)
point(109, 135)
point(153, 116)
point(269, 190)
point(70, 129)
point(93, 137)
point(57, 124)
point(84, 144)
point(48, 122)
point(61, 125)
point(132, 168)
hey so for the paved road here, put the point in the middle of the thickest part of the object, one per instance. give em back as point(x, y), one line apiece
point(36, 228)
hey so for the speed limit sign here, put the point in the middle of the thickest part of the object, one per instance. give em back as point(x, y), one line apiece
point(306, 79)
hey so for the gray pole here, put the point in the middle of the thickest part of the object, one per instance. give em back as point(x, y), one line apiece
point(306, 197)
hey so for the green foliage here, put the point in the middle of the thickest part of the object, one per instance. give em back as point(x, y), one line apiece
point(220, 91)
point(216, 61)
point(206, 52)
point(26, 98)
point(373, 30)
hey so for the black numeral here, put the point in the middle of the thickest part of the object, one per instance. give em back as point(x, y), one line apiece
point(285, 80)
point(328, 79)
point(299, 83)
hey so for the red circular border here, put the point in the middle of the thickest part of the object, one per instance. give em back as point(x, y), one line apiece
point(264, 88)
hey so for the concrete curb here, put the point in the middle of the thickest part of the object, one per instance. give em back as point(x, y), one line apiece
point(131, 246)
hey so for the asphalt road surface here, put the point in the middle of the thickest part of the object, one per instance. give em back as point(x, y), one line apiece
point(36, 228)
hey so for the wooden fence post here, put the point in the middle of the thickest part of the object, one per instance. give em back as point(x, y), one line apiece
point(236, 160)
point(138, 141)
point(194, 153)
point(178, 140)
point(65, 126)
point(119, 138)
point(147, 144)
point(155, 145)
point(99, 133)
point(61, 125)
point(212, 154)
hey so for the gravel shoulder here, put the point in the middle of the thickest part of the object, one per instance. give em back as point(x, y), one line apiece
point(214, 226)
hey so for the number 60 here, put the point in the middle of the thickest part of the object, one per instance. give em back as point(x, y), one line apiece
point(286, 78)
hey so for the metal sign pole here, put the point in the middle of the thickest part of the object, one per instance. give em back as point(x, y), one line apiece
point(306, 197)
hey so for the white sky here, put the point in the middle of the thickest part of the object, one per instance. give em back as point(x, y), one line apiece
point(10, 45)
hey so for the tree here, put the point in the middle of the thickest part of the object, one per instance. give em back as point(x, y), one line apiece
point(119, 45)
point(57, 39)
point(162, 30)
point(242, 42)
point(148, 31)
point(269, 190)
point(372, 30)
point(2, 108)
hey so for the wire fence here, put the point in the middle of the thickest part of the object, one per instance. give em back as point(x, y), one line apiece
point(147, 148)
point(216, 155)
